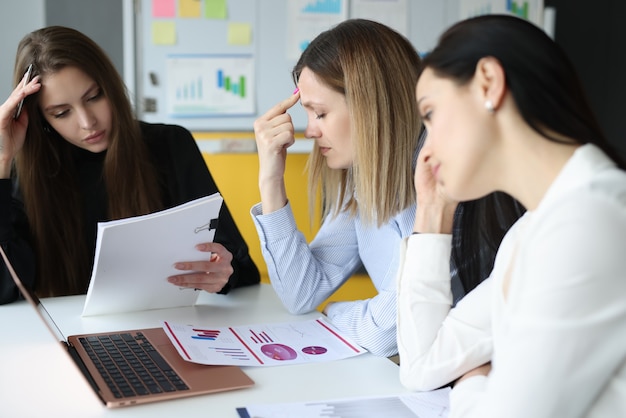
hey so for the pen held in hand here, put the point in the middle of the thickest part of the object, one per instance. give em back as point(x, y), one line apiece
point(26, 80)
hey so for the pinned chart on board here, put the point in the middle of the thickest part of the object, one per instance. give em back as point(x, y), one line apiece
point(210, 85)
point(308, 18)
point(198, 63)
point(272, 35)
point(393, 13)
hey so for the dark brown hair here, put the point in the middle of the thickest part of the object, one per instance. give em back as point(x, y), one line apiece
point(45, 169)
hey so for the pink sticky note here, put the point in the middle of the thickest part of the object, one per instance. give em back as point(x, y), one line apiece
point(163, 8)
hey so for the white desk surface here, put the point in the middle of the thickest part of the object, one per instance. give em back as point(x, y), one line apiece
point(37, 379)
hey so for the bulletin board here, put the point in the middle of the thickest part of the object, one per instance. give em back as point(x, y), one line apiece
point(196, 63)
point(217, 65)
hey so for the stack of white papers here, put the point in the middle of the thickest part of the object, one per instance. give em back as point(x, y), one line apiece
point(135, 256)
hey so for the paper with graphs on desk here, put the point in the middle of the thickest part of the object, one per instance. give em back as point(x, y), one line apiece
point(433, 404)
point(277, 344)
point(135, 256)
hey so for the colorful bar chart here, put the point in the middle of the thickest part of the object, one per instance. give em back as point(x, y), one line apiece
point(210, 85)
point(190, 90)
point(229, 352)
point(517, 9)
point(225, 82)
point(206, 334)
point(260, 337)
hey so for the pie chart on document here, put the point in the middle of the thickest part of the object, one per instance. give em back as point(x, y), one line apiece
point(279, 352)
point(314, 350)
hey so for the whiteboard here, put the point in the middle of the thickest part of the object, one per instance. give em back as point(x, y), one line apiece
point(268, 49)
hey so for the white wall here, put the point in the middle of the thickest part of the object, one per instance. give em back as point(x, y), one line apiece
point(17, 18)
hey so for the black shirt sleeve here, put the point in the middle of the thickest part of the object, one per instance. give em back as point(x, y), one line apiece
point(184, 177)
point(15, 240)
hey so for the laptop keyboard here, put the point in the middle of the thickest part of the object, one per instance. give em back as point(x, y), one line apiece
point(130, 365)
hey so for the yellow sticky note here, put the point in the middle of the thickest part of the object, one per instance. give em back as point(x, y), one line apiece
point(189, 8)
point(215, 9)
point(163, 33)
point(239, 34)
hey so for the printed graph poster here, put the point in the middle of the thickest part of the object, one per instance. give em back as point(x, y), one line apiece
point(210, 85)
point(308, 18)
point(393, 13)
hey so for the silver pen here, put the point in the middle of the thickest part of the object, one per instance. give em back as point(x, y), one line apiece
point(26, 80)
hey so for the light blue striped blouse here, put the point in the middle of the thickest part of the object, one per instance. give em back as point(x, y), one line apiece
point(304, 275)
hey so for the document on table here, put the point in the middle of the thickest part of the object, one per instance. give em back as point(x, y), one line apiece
point(432, 404)
point(274, 344)
point(134, 256)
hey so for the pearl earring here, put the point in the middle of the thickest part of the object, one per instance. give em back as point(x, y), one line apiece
point(489, 106)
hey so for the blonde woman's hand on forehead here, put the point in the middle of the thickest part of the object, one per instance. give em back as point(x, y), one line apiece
point(435, 210)
point(274, 133)
point(13, 131)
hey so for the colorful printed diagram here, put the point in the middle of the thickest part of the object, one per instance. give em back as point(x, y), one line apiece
point(262, 344)
point(279, 352)
point(313, 350)
point(206, 334)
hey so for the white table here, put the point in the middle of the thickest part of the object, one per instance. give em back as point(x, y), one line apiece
point(37, 379)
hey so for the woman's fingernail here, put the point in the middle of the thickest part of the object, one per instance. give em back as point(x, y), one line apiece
point(296, 90)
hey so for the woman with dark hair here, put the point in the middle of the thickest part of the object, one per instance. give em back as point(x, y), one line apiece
point(76, 156)
point(545, 334)
point(356, 83)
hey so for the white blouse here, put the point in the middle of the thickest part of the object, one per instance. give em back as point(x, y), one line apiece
point(557, 339)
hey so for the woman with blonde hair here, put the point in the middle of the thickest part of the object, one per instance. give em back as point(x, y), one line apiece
point(356, 83)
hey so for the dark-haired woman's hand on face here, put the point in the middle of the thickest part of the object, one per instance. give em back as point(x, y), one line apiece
point(211, 274)
point(13, 130)
point(435, 211)
point(274, 133)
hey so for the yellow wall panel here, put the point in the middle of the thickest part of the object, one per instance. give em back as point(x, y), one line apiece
point(236, 175)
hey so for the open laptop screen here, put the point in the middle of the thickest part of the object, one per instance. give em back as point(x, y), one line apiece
point(33, 300)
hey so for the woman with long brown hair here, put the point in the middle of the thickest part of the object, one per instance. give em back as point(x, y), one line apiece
point(76, 156)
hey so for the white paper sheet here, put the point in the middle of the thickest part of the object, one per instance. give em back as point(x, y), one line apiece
point(276, 344)
point(432, 404)
point(134, 257)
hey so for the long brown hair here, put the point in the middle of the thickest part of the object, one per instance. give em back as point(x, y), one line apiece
point(45, 169)
point(376, 69)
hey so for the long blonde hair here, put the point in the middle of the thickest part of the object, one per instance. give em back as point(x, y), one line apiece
point(45, 169)
point(376, 69)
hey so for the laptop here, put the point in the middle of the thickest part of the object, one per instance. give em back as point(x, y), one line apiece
point(154, 372)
